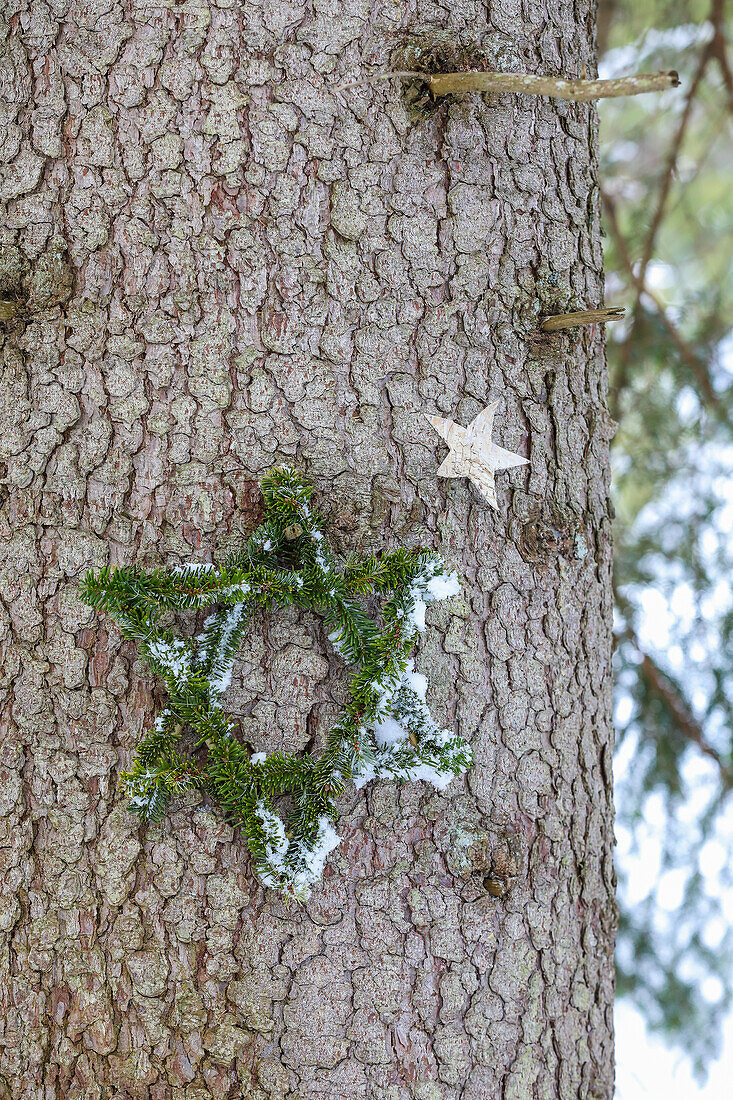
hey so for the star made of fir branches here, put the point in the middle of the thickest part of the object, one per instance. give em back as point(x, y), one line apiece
point(385, 728)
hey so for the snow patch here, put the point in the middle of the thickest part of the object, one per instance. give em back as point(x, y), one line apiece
point(443, 587)
point(416, 615)
point(389, 732)
point(161, 719)
point(240, 590)
point(298, 865)
point(173, 656)
point(221, 668)
point(409, 745)
point(315, 857)
point(429, 587)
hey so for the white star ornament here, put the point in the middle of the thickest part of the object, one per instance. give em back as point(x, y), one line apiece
point(472, 453)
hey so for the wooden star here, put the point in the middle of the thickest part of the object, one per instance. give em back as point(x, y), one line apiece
point(472, 453)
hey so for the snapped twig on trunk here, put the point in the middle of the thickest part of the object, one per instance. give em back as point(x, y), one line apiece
point(560, 321)
point(580, 91)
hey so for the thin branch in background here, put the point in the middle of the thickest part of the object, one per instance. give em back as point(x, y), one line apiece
point(671, 165)
point(624, 351)
point(619, 239)
point(660, 684)
point(719, 47)
point(688, 356)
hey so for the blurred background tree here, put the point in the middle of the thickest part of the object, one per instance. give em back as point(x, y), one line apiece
point(667, 172)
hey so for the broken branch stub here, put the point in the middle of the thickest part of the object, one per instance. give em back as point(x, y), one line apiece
point(560, 321)
point(581, 91)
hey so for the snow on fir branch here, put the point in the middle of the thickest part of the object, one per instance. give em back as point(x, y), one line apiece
point(385, 729)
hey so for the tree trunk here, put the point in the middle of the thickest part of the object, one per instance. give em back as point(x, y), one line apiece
point(215, 263)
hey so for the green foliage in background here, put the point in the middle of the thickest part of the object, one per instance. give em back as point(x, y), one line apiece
point(666, 171)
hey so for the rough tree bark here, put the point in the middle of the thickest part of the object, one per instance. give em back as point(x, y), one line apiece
point(220, 264)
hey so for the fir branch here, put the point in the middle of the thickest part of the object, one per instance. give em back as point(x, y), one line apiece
point(286, 561)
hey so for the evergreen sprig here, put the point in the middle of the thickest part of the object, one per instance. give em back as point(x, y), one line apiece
point(385, 728)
